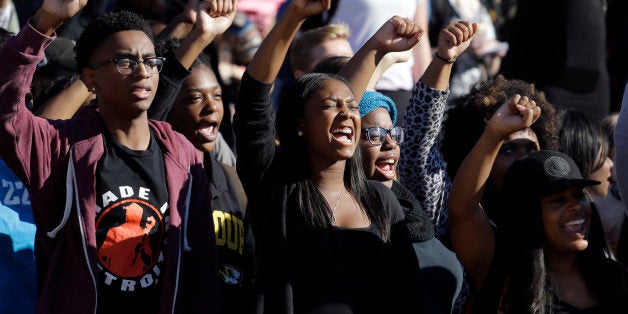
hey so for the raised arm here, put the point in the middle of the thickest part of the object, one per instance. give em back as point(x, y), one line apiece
point(397, 34)
point(198, 25)
point(472, 235)
point(22, 135)
point(254, 120)
point(269, 57)
point(452, 41)
point(66, 103)
point(422, 52)
point(53, 13)
point(212, 20)
point(387, 61)
point(421, 165)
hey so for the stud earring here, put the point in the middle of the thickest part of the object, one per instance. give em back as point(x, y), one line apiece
point(300, 132)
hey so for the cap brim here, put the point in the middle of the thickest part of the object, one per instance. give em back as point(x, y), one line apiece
point(561, 185)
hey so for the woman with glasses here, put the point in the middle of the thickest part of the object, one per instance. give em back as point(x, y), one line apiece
point(441, 273)
point(380, 138)
point(120, 201)
point(328, 241)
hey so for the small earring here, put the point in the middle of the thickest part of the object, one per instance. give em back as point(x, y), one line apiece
point(93, 89)
point(300, 133)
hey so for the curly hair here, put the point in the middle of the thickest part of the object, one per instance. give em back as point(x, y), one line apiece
point(467, 118)
point(103, 26)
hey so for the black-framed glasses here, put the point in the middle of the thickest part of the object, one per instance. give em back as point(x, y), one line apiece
point(376, 135)
point(128, 66)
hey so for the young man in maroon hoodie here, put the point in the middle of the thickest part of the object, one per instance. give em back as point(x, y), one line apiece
point(120, 201)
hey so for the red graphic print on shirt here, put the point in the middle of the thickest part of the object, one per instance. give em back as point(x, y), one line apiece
point(131, 246)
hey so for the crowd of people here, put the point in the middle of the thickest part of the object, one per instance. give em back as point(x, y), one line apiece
point(344, 157)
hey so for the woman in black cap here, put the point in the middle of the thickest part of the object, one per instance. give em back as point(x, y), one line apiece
point(547, 254)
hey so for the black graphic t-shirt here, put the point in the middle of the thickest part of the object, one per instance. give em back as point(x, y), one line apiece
point(131, 225)
point(234, 241)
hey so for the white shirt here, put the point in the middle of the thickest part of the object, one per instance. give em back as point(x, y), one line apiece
point(364, 18)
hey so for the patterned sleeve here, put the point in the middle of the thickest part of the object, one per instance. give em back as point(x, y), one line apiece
point(422, 168)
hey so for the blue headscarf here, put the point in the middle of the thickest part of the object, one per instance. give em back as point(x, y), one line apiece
point(372, 100)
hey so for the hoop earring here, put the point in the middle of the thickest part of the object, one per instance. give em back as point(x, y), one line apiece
point(299, 132)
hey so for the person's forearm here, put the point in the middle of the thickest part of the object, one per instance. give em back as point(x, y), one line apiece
point(269, 57)
point(170, 78)
point(468, 185)
point(177, 28)
point(422, 167)
point(45, 23)
point(66, 103)
point(359, 70)
point(422, 52)
point(387, 61)
point(437, 74)
point(192, 46)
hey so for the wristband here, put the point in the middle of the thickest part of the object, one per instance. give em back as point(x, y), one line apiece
point(449, 61)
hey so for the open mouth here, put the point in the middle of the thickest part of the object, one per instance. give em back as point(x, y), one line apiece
point(576, 226)
point(208, 132)
point(343, 135)
point(386, 167)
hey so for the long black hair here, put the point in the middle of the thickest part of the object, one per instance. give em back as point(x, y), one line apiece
point(522, 244)
point(295, 154)
point(582, 139)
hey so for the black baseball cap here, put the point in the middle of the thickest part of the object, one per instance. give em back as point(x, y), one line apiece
point(547, 172)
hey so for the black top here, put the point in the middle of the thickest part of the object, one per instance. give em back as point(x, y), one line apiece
point(234, 240)
point(315, 270)
point(419, 223)
point(340, 270)
point(561, 307)
point(131, 225)
point(605, 278)
point(441, 272)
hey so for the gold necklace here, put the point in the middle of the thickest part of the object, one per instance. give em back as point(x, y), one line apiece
point(333, 211)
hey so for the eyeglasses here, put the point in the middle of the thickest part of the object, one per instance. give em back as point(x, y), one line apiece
point(128, 66)
point(376, 135)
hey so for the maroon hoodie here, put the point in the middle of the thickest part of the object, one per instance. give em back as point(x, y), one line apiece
point(56, 160)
